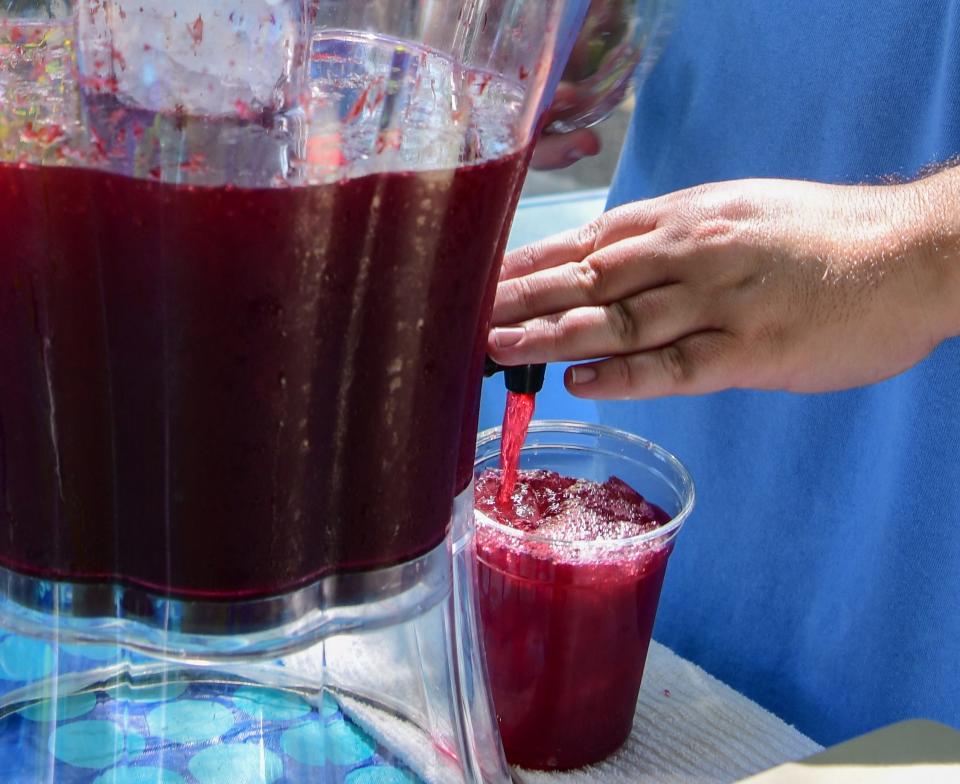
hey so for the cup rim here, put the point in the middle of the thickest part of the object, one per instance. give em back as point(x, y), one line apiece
point(662, 532)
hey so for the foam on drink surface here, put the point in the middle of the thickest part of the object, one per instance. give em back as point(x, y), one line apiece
point(568, 509)
point(573, 521)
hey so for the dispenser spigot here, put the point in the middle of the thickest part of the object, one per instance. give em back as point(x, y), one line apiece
point(522, 379)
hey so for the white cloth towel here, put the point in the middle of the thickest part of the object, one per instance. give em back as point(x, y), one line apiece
point(690, 729)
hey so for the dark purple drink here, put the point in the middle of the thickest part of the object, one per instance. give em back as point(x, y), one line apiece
point(566, 625)
point(224, 391)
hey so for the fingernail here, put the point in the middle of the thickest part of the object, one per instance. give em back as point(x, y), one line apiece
point(508, 336)
point(582, 375)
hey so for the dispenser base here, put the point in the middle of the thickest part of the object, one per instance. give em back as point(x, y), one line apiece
point(397, 695)
point(201, 630)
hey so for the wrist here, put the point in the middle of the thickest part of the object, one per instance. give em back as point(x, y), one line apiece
point(932, 231)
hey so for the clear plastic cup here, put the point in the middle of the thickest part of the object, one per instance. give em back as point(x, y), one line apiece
point(567, 624)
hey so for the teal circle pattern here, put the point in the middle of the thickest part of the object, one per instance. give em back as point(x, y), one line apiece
point(140, 775)
point(93, 744)
point(236, 764)
point(190, 733)
point(348, 745)
point(70, 707)
point(270, 705)
point(190, 721)
point(305, 744)
point(328, 706)
point(379, 774)
point(315, 745)
point(23, 659)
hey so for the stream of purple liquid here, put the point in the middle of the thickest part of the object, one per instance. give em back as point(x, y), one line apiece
point(516, 421)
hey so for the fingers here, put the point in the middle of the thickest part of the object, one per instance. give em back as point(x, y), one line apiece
point(563, 248)
point(697, 364)
point(619, 224)
point(607, 275)
point(640, 322)
point(561, 150)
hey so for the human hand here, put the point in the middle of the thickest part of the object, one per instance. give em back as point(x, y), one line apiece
point(559, 150)
point(767, 284)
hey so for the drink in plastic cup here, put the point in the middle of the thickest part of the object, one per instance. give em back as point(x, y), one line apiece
point(567, 623)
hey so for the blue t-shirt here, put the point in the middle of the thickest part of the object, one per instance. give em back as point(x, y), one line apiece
point(820, 572)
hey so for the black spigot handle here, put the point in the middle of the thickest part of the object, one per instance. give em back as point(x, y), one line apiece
point(522, 379)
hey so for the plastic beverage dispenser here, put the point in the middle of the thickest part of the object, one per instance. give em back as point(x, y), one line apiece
point(247, 258)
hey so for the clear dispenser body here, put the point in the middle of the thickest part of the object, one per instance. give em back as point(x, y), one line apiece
point(249, 252)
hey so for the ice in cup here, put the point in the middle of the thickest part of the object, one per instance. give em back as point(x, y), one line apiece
point(569, 581)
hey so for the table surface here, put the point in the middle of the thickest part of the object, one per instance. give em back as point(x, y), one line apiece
point(690, 728)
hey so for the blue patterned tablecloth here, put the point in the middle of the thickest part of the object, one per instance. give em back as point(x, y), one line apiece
point(175, 733)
